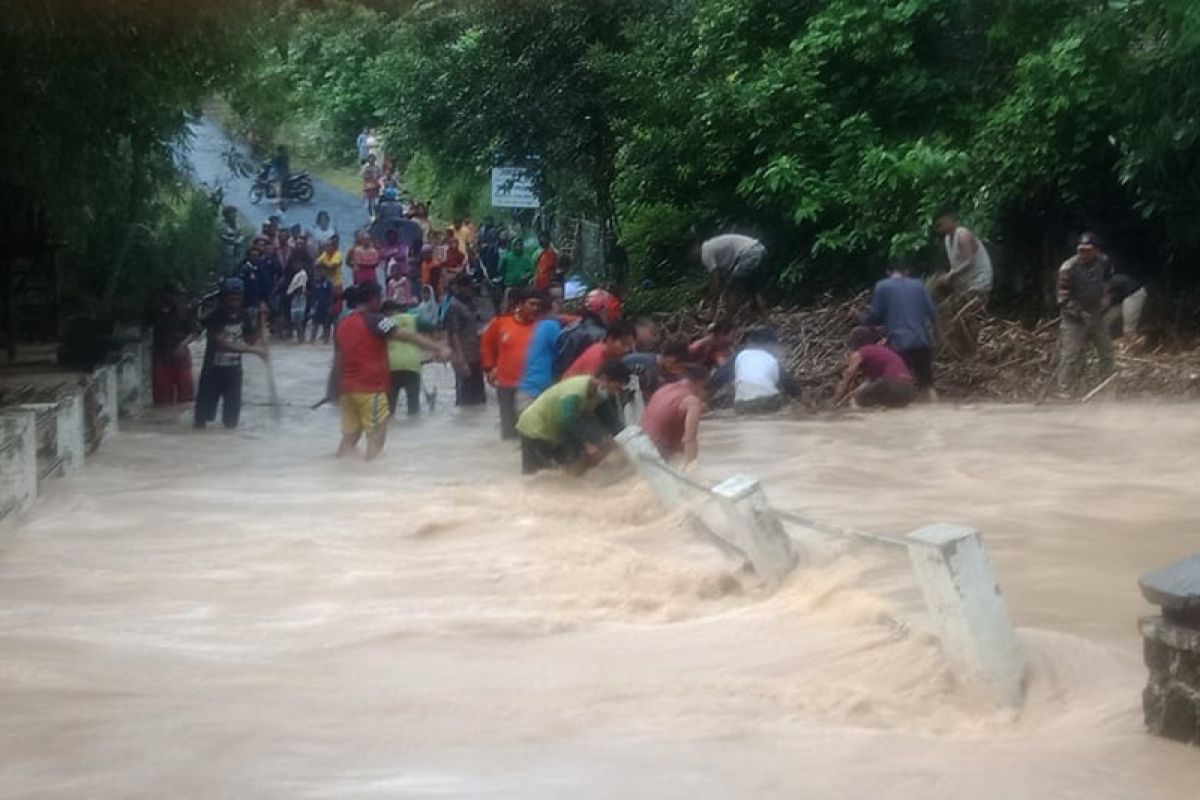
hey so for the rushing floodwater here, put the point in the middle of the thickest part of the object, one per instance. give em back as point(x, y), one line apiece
point(240, 615)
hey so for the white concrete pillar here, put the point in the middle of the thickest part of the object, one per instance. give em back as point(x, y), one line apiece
point(964, 601)
point(71, 430)
point(18, 463)
point(110, 399)
point(129, 377)
point(755, 529)
point(650, 465)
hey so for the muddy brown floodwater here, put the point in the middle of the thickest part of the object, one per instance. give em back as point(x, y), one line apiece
point(239, 615)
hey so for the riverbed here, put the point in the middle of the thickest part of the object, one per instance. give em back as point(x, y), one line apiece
point(239, 614)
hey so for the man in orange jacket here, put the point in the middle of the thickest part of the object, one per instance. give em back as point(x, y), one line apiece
point(503, 348)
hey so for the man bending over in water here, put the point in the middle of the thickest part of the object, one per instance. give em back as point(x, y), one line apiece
point(561, 427)
point(889, 383)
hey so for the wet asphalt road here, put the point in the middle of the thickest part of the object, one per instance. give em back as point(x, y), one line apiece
point(204, 157)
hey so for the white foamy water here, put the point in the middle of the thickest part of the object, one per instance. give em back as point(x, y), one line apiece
point(241, 615)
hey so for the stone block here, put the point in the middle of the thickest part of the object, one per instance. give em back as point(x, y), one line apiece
point(1176, 590)
point(1171, 699)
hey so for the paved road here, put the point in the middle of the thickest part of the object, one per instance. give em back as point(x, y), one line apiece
point(207, 163)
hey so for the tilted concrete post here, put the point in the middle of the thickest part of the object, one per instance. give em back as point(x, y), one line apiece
point(650, 465)
point(18, 463)
point(964, 601)
point(72, 437)
point(755, 528)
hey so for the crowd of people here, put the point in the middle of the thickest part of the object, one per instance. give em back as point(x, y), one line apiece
point(565, 380)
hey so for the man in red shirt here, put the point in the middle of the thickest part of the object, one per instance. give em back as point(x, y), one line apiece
point(360, 363)
point(503, 348)
point(617, 343)
point(672, 417)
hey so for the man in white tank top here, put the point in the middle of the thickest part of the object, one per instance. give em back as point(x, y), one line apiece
point(970, 264)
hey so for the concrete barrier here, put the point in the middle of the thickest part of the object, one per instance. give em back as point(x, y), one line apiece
point(72, 434)
point(956, 577)
point(18, 463)
point(129, 382)
point(966, 606)
point(110, 399)
point(67, 426)
point(755, 528)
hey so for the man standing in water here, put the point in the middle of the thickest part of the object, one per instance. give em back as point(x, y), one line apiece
point(232, 331)
point(561, 427)
point(672, 417)
point(360, 363)
point(1082, 297)
point(503, 350)
point(462, 331)
point(970, 264)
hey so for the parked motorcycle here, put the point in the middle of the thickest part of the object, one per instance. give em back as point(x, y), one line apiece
point(298, 187)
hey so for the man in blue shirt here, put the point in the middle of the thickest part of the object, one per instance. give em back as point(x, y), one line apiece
point(539, 361)
point(903, 306)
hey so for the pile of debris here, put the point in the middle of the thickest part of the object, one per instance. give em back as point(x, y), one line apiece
point(978, 356)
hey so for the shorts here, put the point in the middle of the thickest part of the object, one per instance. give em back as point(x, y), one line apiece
point(748, 274)
point(363, 412)
point(919, 361)
point(886, 393)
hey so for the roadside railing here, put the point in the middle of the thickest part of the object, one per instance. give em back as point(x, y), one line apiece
point(958, 586)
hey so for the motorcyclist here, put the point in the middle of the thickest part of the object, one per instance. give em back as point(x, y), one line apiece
point(280, 170)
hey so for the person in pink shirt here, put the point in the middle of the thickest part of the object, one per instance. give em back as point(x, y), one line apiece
point(887, 382)
point(617, 343)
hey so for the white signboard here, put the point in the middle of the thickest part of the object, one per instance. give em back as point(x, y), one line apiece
point(512, 187)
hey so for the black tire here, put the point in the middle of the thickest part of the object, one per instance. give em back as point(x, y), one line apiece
point(304, 192)
point(256, 194)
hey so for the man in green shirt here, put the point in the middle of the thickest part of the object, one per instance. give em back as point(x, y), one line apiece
point(516, 265)
point(561, 428)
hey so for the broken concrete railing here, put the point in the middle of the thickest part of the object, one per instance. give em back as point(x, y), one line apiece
point(957, 579)
point(18, 462)
point(1171, 644)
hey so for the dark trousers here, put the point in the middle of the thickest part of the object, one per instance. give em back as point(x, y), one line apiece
point(538, 454)
point(410, 382)
point(223, 385)
point(919, 361)
point(468, 389)
point(507, 400)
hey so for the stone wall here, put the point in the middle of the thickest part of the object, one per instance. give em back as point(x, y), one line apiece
point(1171, 700)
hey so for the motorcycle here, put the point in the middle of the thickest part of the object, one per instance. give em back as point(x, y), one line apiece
point(298, 186)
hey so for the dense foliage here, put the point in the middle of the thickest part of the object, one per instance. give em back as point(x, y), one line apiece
point(97, 97)
point(832, 128)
